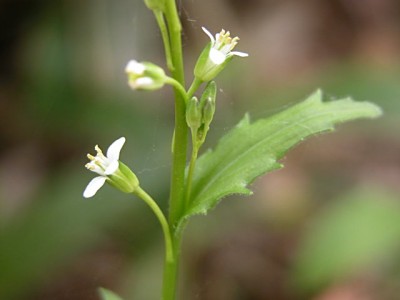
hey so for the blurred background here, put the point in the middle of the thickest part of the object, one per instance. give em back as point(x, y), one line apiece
point(326, 227)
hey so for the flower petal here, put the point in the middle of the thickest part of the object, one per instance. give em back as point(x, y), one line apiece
point(241, 54)
point(94, 185)
point(209, 35)
point(217, 57)
point(112, 167)
point(115, 148)
point(135, 67)
point(142, 82)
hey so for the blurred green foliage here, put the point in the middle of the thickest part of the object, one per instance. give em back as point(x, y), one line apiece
point(355, 232)
point(67, 91)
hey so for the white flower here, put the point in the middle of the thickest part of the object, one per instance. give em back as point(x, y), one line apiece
point(222, 46)
point(135, 67)
point(105, 166)
point(216, 55)
point(144, 76)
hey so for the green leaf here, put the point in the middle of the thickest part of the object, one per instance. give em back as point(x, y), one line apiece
point(358, 230)
point(252, 149)
point(108, 295)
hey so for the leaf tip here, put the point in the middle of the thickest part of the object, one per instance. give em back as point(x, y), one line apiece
point(319, 94)
point(316, 96)
point(245, 121)
point(107, 294)
point(376, 111)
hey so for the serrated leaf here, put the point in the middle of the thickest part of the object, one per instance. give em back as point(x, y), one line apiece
point(252, 149)
point(108, 295)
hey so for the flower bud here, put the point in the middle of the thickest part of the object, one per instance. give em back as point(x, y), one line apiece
point(209, 92)
point(208, 112)
point(145, 75)
point(200, 114)
point(193, 113)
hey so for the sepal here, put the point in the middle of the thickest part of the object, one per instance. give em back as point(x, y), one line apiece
point(123, 179)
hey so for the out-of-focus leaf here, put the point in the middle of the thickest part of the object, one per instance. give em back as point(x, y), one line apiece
point(250, 150)
point(352, 233)
point(108, 295)
point(60, 225)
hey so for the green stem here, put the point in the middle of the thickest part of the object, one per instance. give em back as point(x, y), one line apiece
point(193, 87)
point(179, 146)
point(181, 136)
point(192, 166)
point(165, 37)
point(177, 86)
point(179, 154)
point(171, 270)
point(172, 248)
point(169, 250)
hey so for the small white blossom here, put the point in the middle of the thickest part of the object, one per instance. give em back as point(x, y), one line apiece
point(103, 165)
point(135, 67)
point(216, 55)
point(144, 76)
point(222, 46)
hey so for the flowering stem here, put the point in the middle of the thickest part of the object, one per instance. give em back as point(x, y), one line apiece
point(165, 36)
point(192, 165)
point(169, 250)
point(178, 87)
point(172, 248)
point(180, 144)
point(193, 87)
point(171, 269)
point(179, 153)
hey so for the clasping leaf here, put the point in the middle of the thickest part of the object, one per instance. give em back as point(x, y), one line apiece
point(252, 149)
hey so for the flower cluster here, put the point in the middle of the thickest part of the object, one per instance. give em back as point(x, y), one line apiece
point(148, 76)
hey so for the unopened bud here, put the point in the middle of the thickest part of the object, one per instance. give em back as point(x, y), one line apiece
point(208, 112)
point(210, 92)
point(193, 113)
point(145, 75)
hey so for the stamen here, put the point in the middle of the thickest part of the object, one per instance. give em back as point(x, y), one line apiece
point(89, 166)
point(91, 157)
point(99, 152)
point(100, 163)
